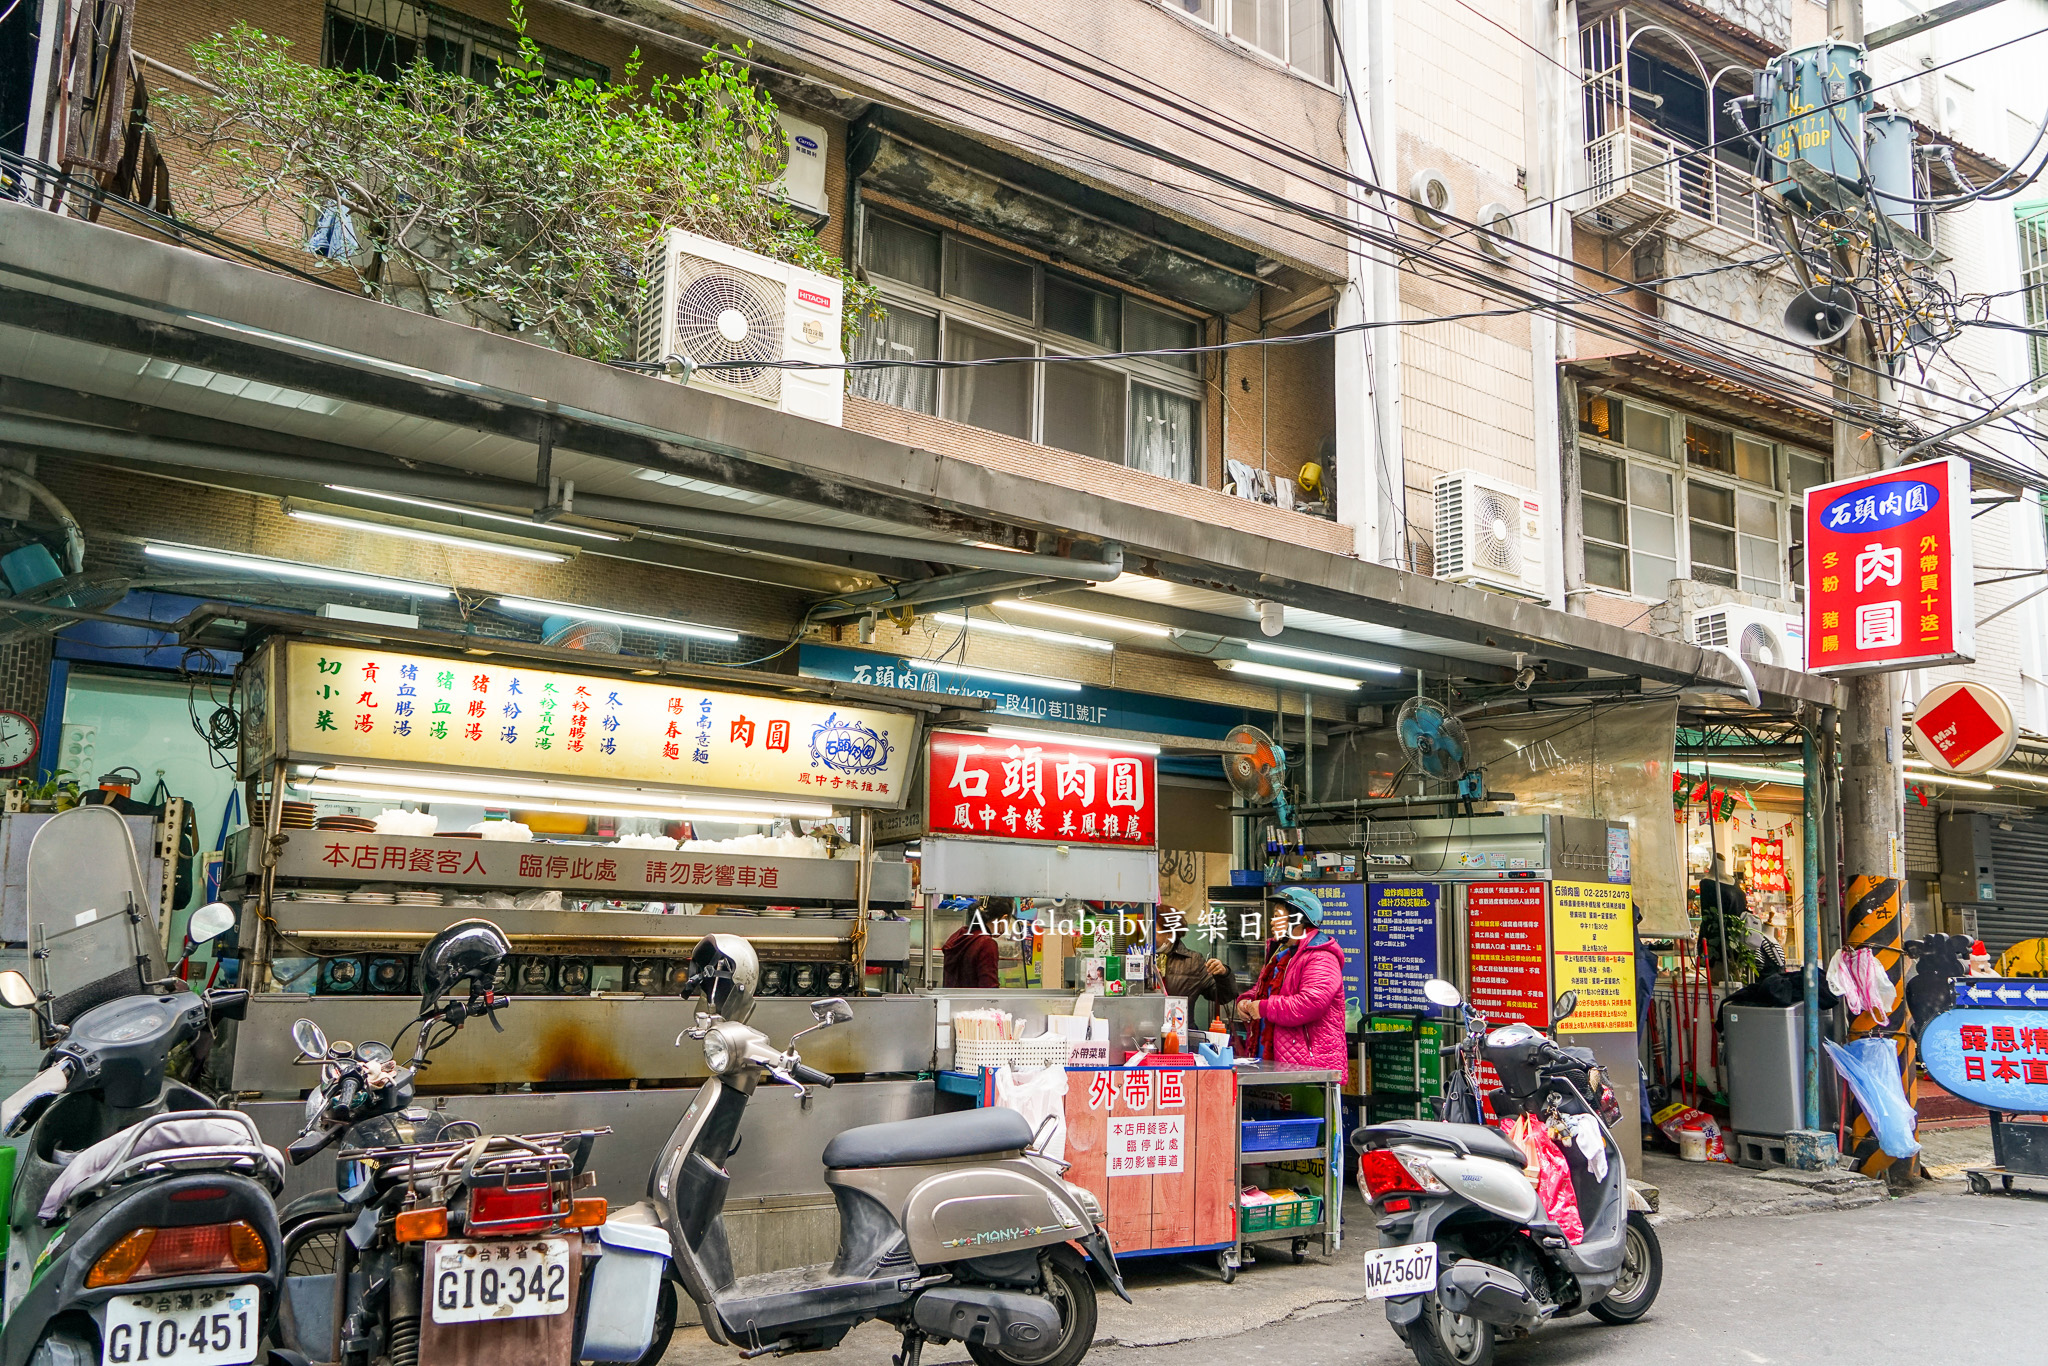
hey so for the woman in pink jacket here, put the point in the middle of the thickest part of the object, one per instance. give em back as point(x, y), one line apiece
point(1294, 1014)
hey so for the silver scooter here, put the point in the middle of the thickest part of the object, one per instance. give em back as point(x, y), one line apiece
point(950, 1227)
point(1467, 1251)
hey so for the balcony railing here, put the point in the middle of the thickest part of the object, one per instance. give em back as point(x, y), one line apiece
point(1639, 176)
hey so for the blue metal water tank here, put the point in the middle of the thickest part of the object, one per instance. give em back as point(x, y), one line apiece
point(1819, 99)
point(1891, 167)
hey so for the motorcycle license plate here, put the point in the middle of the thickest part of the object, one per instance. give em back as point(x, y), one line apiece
point(1392, 1271)
point(500, 1280)
point(219, 1327)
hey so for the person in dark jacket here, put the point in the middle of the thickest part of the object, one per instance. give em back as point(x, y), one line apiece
point(970, 956)
point(1183, 972)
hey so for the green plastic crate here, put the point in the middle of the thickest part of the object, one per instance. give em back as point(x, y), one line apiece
point(1282, 1214)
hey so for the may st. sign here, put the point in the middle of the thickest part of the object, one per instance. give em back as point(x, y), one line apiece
point(1889, 573)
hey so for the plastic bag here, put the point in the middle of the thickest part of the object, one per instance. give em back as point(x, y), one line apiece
point(1037, 1094)
point(1677, 1117)
point(1861, 981)
point(1547, 1170)
point(1871, 1067)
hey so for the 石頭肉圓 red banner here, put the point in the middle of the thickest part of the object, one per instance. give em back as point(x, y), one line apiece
point(1889, 573)
point(1040, 789)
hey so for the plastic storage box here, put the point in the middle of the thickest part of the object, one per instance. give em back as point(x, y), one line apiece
point(625, 1289)
point(1273, 1135)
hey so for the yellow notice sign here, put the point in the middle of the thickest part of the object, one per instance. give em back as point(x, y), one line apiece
point(383, 707)
point(1593, 953)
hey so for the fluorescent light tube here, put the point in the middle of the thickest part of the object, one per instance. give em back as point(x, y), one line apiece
point(317, 789)
point(1280, 675)
point(406, 533)
point(1056, 684)
point(460, 784)
point(1318, 657)
point(1107, 623)
point(657, 625)
point(1795, 776)
point(2014, 776)
point(1047, 737)
point(460, 511)
point(1003, 628)
point(1948, 780)
point(287, 569)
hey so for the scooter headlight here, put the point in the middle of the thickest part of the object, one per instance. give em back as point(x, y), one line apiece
point(719, 1053)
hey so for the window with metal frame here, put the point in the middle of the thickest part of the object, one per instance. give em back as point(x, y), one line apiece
point(952, 297)
point(1294, 33)
point(2033, 232)
point(383, 37)
point(1723, 508)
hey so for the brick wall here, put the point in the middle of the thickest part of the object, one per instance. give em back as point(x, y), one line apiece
point(25, 676)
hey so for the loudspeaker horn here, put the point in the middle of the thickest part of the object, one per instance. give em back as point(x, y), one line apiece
point(1821, 316)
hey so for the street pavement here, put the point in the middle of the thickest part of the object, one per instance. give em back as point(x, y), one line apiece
point(1934, 1275)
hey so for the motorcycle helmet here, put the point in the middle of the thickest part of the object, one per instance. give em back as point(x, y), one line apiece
point(467, 951)
point(726, 972)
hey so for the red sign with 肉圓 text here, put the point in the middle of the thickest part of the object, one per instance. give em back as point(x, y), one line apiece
point(1889, 571)
point(1040, 789)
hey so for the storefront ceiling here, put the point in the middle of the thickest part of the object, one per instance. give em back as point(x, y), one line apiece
point(87, 311)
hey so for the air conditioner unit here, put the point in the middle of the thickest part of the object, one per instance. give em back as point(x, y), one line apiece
point(711, 302)
point(1760, 637)
point(1489, 533)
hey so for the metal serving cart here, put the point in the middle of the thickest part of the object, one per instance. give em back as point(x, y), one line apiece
point(1320, 1160)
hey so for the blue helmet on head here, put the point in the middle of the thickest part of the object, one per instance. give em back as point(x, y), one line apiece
point(1302, 902)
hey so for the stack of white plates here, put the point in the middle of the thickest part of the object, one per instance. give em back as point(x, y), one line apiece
point(371, 898)
point(419, 898)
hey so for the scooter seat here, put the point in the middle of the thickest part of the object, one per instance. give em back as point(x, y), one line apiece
point(1473, 1140)
point(936, 1138)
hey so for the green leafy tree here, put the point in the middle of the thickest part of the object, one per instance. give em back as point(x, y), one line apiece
point(530, 204)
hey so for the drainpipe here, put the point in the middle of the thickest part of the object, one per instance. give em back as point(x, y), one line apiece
point(74, 539)
point(1546, 130)
point(1372, 494)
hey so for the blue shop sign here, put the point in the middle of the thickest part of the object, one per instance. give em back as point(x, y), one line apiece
point(1994, 1058)
point(1401, 942)
point(1110, 708)
point(1344, 921)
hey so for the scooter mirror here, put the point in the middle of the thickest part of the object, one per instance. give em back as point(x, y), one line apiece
point(832, 1010)
point(209, 923)
point(1566, 1004)
point(1441, 993)
point(15, 990)
point(310, 1038)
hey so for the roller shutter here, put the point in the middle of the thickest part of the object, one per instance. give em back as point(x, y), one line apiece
point(2019, 864)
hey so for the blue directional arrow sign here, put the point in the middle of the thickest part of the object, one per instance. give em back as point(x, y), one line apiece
point(1999, 993)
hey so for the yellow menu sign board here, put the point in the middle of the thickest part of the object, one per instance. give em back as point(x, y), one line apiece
point(1592, 939)
point(345, 704)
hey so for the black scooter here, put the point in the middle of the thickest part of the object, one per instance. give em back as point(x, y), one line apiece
point(1467, 1250)
point(141, 1211)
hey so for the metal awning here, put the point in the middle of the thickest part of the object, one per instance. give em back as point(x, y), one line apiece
point(120, 337)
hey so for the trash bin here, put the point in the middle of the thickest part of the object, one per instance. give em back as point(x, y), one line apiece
point(1760, 1048)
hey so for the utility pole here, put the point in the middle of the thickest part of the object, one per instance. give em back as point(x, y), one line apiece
point(1872, 740)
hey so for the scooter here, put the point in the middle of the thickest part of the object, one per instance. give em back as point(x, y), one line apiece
point(950, 1227)
point(439, 1241)
point(1467, 1251)
point(141, 1211)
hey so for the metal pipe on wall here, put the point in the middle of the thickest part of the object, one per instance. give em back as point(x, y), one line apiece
point(1809, 926)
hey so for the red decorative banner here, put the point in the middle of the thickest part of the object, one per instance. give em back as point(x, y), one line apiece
point(1036, 789)
point(1889, 570)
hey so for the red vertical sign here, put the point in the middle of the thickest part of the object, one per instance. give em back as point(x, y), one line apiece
point(1509, 941)
point(1889, 570)
point(1510, 959)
